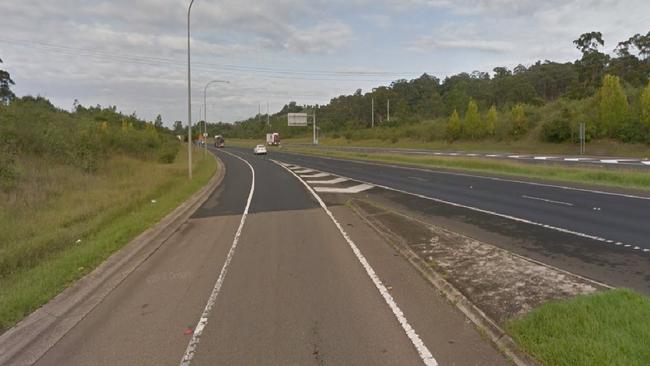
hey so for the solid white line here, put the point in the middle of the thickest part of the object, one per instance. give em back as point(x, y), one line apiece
point(353, 189)
point(423, 351)
point(317, 175)
point(331, 181)
point(547, 200)
point(432, 171)
point(203, 321)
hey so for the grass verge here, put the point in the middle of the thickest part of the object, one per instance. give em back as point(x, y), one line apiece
point(607, 328)
point(609, 178)
point(62, 223)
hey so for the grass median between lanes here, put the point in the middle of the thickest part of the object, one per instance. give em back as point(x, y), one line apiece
point(61, 223)
point(607, 328)
point(603, 177)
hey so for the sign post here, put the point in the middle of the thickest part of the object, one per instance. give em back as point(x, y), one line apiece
point(582, 138)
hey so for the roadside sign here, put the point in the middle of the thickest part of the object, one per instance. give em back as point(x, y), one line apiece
point(297, 119)
point(205, 134)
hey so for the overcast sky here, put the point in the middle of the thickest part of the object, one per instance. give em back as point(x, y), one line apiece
point(132, 53)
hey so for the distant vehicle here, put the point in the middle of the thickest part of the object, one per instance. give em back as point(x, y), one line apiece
point(273, 139)
point(259, 150)
point(219, 141)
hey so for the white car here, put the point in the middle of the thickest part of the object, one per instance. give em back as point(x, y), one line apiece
point(259, 150)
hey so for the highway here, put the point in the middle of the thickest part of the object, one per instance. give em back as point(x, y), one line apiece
point(264, 273)
point(601, 235)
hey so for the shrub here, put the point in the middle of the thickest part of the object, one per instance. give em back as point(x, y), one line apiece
point(454, 127)
point(558, 130)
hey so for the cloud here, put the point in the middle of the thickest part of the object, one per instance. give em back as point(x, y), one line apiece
point(425, 44)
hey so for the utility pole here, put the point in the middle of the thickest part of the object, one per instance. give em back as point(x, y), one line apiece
point(268, 118)
point(189, 98)
point(315, 140)
point(205, 108)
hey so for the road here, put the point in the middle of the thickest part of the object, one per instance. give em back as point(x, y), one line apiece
point(582, 160)
point(263, 275)
point(601, 235)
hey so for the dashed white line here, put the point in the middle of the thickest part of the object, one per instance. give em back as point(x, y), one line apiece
point(354, 189)
point(423, 351)
point(203, 321)
point(331, 181)
point(547, 200)
point(304, 171)
point(317, 175)
point(609, 161)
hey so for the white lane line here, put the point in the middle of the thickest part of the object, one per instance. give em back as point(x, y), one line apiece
point(304, 171)
point(542, 157)
point(203, 321)
point(609, 161)
point(514, 156)
point(645, 162)
point(423, 351)
point(354, 189)
point(331, 181)
point(547, 200)
point(317, 175)
point(493, 155)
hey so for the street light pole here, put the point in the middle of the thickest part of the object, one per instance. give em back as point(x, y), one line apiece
point(373, 111)
point(205, 107)
point(189, 97)
point(388, 110)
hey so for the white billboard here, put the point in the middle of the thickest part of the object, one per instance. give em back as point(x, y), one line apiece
point(297, 119)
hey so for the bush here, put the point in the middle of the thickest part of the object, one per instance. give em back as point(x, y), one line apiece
point(168, 152)
point(558, 130)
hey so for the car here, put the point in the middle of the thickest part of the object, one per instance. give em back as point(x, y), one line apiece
point(259, 150)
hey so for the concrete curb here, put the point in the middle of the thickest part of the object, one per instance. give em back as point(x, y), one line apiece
point(32, 337)
point(480, 320)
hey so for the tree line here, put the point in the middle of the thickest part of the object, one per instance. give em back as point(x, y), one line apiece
point(608, 92)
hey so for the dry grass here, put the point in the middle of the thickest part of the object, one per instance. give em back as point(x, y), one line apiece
point(56, 206)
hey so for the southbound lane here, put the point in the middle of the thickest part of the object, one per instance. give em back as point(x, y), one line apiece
point(613, 218)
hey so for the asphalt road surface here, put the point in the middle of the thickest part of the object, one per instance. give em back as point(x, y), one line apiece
point(601, 235)
point(264, 276)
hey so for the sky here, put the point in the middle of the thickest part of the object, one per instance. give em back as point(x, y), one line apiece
point(133, 53)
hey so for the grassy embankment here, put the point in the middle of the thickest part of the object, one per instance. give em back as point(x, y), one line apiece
point(60, 222)
point(609, 328)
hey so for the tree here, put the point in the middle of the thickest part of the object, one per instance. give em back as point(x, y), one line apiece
point(6, 95)
point(472, 127)
point(158, 123)
point(178, 128)
point(454, 127)
point(593, 62)
point(491, 121)
point(519, 121)
point(612, 106)
point(645, 107)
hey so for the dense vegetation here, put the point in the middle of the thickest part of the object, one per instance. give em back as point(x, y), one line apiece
point(546, 101)
point(84, 138)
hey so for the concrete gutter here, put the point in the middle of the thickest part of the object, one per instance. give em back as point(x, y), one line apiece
point(31, 338)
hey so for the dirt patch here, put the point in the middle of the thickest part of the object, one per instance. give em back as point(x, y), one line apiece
point(502, 284)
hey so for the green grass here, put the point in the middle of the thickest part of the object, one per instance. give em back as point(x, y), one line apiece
point(608, 328)
point(523, 146)
point(56, 205)
point(609, 178)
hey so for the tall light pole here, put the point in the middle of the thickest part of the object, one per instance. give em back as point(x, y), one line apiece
point(373, 108)
point(189, 97)
point(205, 108)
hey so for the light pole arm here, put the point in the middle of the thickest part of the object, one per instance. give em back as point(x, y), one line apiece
point(189, 96)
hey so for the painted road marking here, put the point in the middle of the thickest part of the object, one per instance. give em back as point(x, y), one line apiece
point(331, 181)
point(354, 189)
point(543, 157)
point(304, 171)
point(645, 162)
point(430, 171)
point(423, 351)
point(547, 200)
point(203, 321)
point(317, 175)
point(609, 161)
point(493, 155)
